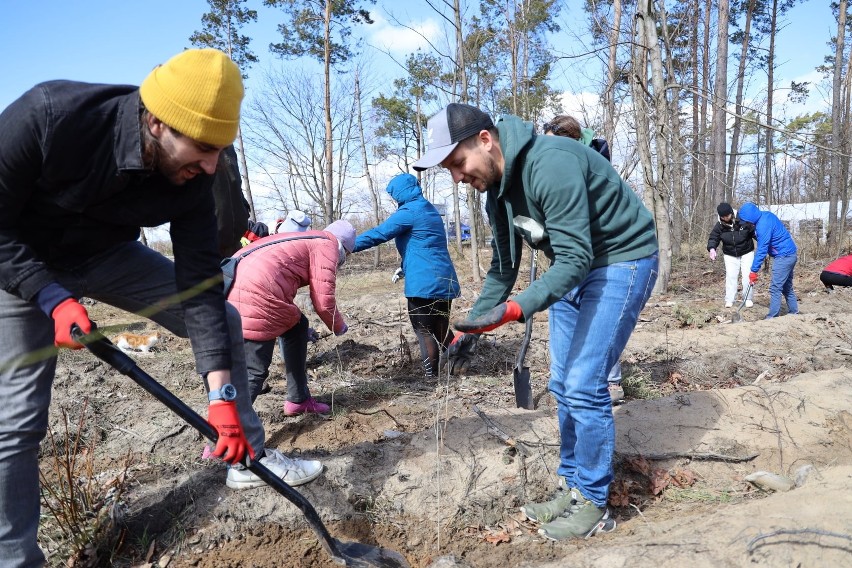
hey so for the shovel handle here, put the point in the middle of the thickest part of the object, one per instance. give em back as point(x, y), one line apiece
point(106, 351)
point(525, 343)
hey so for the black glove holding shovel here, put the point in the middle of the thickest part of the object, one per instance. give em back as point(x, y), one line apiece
point(461, 349)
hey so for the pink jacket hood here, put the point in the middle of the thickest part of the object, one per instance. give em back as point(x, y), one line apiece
point(267, 280)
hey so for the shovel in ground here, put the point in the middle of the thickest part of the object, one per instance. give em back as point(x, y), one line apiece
point(354, 554)
point(523, 388)
point(737, 317)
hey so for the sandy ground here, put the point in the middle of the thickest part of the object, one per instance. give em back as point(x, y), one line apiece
point(437, 470)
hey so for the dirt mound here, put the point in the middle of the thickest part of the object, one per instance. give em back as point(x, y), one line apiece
point(437, 470)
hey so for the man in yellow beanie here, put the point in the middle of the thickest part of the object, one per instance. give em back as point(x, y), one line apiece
point(95, 163)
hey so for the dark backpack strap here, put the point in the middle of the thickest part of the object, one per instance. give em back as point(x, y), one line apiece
point(602, 147)
point(229, 265)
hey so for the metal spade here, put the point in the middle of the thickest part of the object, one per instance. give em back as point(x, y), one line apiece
point(523, 388)
point(737, 317)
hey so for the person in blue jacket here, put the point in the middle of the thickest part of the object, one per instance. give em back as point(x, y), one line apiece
point(773, 239)
point(430, 278)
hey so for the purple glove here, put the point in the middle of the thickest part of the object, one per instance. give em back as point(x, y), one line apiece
point(712, 254)
point(313, 336)
point(343, 330)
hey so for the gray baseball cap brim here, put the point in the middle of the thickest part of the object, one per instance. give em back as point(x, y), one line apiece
point(433, 157)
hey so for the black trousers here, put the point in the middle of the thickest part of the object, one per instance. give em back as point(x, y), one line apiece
point(294, 350)
point(831, 279)
point(431, 321)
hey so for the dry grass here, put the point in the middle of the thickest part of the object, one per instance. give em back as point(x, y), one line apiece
point(81, 505)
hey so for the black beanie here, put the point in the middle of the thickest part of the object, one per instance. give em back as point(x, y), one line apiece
point(724, 209)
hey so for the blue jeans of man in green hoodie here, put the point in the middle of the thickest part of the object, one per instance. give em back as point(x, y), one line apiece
point(567, 201)
point(589, 328)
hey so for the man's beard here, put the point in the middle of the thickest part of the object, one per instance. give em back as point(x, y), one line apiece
point(494, 174)
point(157, 158)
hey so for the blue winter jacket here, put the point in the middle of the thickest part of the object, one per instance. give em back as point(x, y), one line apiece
point(773, 238)
point(420, 239)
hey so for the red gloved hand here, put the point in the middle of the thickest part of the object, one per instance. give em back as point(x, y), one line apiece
point(752, 277)
point(65, 315)
point(232, 444)
point(494, 318)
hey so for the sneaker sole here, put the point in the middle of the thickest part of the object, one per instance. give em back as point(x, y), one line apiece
point(252, 483)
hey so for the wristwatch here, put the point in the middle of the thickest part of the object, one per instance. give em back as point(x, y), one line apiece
point(227, 393)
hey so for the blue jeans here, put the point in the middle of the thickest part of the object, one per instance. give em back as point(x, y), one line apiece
point(589, 328)
point(131, 277)
point(782, 285)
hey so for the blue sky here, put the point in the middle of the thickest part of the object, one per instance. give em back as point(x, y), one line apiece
point(119, 41)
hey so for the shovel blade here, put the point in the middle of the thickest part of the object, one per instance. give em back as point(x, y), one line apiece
point(523, 389)
point(359, 555)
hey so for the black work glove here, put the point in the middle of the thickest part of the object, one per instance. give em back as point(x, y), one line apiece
point(460, 353)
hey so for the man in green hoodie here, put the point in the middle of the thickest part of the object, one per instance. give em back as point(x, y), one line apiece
point(566, 200)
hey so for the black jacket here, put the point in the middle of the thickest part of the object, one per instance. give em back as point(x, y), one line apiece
point(73, 185)
point(737, 239)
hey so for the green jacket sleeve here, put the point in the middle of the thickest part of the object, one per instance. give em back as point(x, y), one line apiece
point(501, 275)
point(563, 203)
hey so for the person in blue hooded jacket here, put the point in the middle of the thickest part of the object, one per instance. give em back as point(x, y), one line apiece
point(773, 239)
point(430, 278)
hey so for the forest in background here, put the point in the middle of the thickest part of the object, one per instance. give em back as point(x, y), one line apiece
point(687, 98)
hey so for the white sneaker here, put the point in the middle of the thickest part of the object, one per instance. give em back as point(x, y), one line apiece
point(294, 472)
point(749, 303)
point(729, 304)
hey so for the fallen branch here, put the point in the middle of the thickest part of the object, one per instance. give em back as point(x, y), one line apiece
point(126, 431)
point(753, 542)
point(382, 323)
point(395, 421)
point(494, 429)
point(171, 434)
point(699, 456)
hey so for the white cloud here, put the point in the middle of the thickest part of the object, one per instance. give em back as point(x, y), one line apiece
point(580, 104)
point(399, 40)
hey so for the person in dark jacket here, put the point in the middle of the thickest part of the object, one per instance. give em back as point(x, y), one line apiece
point(231, 206)
point(96, 163)
point(568, 126)
point(773, 239)
point(431, 283)
point(737, 240)
point(837, 273)
point(566, 200)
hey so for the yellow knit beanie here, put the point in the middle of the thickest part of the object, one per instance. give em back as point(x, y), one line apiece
point(198, 93)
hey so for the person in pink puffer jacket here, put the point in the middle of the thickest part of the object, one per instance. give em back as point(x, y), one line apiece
point(265, 284)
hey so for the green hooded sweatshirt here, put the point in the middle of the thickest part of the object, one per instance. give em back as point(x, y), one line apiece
point(567, 201)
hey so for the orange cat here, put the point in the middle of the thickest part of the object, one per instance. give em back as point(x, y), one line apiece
point(133, 341)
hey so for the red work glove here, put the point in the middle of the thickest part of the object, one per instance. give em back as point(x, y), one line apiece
point(232, 444)
point(752, 278)
point(492, 319)
point(65, 315)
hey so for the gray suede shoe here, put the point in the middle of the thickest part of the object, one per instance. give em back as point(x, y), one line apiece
point(546, 512)
point(583, 519)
